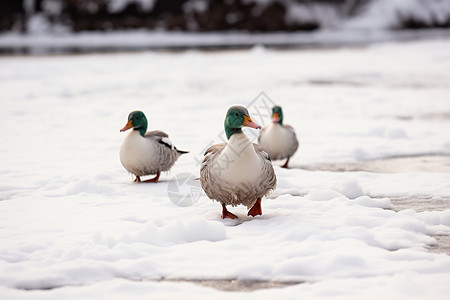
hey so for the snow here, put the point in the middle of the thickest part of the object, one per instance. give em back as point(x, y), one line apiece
point(74, 225)
point(390, 14)
point(119, 5)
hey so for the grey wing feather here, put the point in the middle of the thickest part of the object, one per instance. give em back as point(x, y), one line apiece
point(168, 145)
point(210, 154)
point(161, 137)
point(295, 144)
point(261, 152)
point(156, 133)
point(214, 149)
point(269, 180)
point(290, 128)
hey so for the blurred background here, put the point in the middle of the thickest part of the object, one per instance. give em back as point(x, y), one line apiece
point(294, 22)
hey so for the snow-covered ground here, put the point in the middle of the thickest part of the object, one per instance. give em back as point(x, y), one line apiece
point(73, 225)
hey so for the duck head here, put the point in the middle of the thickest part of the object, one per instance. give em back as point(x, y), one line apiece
point(236, 118)
point(277, 115)
point(137, 121)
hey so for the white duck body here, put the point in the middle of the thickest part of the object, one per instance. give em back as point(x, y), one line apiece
point(146, 155)
point(279, 141)
point(237, 173)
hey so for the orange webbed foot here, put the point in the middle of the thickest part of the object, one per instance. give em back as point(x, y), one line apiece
point(155, 179)
point(226, 213)
point(256, 209)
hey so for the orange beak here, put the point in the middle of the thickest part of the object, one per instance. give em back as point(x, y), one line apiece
point(249, 123)
point(275, 118)
point(127, 126)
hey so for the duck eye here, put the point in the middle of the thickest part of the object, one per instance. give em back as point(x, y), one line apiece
point(236, 114)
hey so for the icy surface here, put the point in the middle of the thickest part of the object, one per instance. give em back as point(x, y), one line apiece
point(60, 41)
point(73, 225)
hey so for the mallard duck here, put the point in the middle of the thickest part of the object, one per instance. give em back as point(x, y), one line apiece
point(277, 139)
point(237, 172)
point(146, 153)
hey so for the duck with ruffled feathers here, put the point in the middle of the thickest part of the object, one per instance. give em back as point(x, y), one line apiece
point(237, 172)
point(146, 153)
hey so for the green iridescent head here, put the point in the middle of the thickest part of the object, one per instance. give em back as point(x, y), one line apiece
point(137, 121)
point(277, 115)
point(237, 117)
